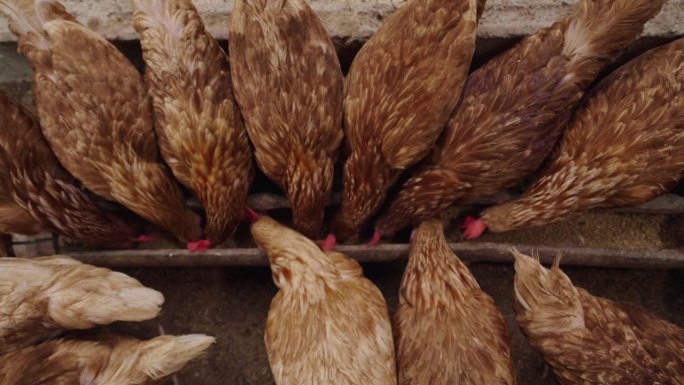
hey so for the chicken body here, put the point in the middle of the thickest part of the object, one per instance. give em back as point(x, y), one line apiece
point(624, 147)
point(516, 106)
point(327, 324)
point(198, 123)
point(39, 297)
point(592, 340)
point(288, 83)
point(109, 361)
point(43, 193)
point(95, 113)
point(448, 331)
point(401, 89)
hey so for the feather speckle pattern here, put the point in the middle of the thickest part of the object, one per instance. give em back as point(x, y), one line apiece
point(95, 113)
point(107, 360)
point(399, 94)
point(289, 84)
point(40, 193)
point(327, 324)
point(625, 146)
point(41, 296)
point(448, 331)
point(198, 123)
point(592, 340)
point(516, 106)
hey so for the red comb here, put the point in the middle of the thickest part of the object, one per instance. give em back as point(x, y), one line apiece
point(199, 246)
point(329, 243)
point(473, 227)
point(375, 238)
point(145, 238)
point(252, 215)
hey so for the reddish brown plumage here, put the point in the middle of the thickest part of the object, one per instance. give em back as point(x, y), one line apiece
point(288, 83)
point(96, 115)
point(198, 123)
point(625, 146)
point(39, 194)
point(515, 107)
point(400, 91)
point(592, 340)
point(448, 331)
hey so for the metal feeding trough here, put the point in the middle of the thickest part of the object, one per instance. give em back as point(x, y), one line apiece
point(473, 251)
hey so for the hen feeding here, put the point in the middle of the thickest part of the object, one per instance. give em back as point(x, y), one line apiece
point(515, 107)
point(288, 83)
point(592, 340)
point(327, 324)
point(95, 113)
point(198, 124)
point(625, 146)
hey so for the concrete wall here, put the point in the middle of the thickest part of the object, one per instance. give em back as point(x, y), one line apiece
point(358, 19)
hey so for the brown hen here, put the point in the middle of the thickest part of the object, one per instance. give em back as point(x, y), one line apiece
point(592, 340)
point(95, 113)
point(39, 297)
point(111, 360)
point(624, 147)
point(288, 83)
point(198, 123)
point(327, 324)
point(448, 331)
point(515, 107)
point(399, 94)
point(41, 188)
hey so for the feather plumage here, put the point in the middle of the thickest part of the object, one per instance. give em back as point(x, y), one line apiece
point(400, 91)
point(448, 331)
point(95, 113)
point(516, 106)
point(288, 83)
point(592, 340)
point(625, 146)
point(198, 123)
point(39, 297)
point(43, 189)
point(108, 360)
point(327, 324)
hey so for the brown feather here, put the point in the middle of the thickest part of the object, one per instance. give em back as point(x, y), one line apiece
point(108, 360)
point(400, 91)
point(327, 324)
point(198, 123)
point(448, 331)
point(95, 114)
point(39, 297)
point(41, 187)
point(288, 83)
point(516, 106)
point(624, 147)
point(592, 340)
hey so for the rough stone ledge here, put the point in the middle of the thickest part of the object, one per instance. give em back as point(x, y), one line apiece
point(358, 19)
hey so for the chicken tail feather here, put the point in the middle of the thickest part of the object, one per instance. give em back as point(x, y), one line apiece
point(165, 355)
point(603, 28)
point(546, 300)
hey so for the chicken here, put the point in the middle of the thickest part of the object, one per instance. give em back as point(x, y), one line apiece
point(448, 331)
point(624, 147)
point(327, 324)
point(39, 297)
point(109, 361)
point(401, 88)
point(198, 123)
point(41, 194)
point(514, 109)
point(95, 113)
point(592, 340)
point(288, 83)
